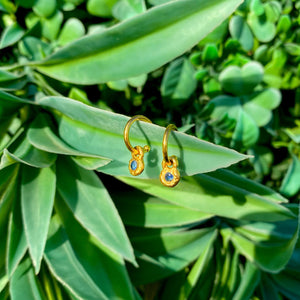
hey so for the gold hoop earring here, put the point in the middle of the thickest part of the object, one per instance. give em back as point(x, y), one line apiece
point(169, 176)
point(136, 164)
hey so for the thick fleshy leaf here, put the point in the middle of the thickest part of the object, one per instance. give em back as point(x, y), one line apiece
point(157, 262)
point(142, 210)
point(92, 206)
point(150, 35)
point(24, 284)
point(215, 196)
point(17, 243)
point(90, 127)
point(291, 183)
point(178, 82)
point(125, 9)
point(101, 273)
point(11, 35)
point(73, 29)
point(44, 8)
point(241, 81)
point(240, 30)
point(37, 205)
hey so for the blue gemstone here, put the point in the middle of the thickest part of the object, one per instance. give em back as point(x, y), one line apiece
point(169, 176)
point(133, 165)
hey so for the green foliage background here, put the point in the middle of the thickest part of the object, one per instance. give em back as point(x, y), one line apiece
point(74, 224)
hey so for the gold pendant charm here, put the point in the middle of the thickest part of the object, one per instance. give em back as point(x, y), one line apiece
point(136, 164)
point(169, 175)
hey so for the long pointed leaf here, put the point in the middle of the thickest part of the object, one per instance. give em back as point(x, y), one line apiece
point(138, 45)
point(37, 197)
point(92, 207)
point(101, 132)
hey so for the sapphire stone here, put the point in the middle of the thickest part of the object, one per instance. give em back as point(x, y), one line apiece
point(169, 176)
point(133, 165)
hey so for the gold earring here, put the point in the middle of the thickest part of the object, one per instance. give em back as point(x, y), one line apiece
point(136, 164)
point(169, 176)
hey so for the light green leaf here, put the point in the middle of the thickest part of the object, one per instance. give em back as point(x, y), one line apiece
point(91, 126)
point(92, 206)
point(17, 244)
point(142, 210)
point(44, 8)
point(214, 196)
point(24, 284)
point(250, 279)
point(37, 197)
point(291, 183)
point(262, 27)
point(51, 26)
point(73, 29)
point(150, 35)
point(11, 35)
point(101, 273)
point(125, 9)
point(100, 8)
point(196, 272)
point(240, 30)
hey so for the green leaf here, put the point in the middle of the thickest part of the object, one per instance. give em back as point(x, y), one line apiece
point(22, 151)
point(210, 53)
point(11, 35)
point(257, 7)
point(142, 210)
point(262, 159)
point(250, 280)
point(196, 271)
point(268, 245)
point(268, 288)
point(292, 49)
point(101, 8)
point(37, 205)
point(241, 81)
point(51, 26)
point(215, 196)
point(148, 35)
point(73, 29)
point(240, 30)
point(73, 259)
point(44, 8)
point(24, 284)
point(178, 82)
point(17, 244)
point(291, 184)
point(92, 206)
point(246, 132)
point(10, 104)
point(90, 126)
point(41, 136)
point(125, 9)
point(262, 27)
point(182, 248)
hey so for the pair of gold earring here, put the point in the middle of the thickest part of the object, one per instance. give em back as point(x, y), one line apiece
point(169, 176)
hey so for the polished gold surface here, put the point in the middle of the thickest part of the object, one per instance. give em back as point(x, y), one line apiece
point(136, 164)
point(169, 176)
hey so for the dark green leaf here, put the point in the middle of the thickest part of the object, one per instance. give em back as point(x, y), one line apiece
point(92, 207)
